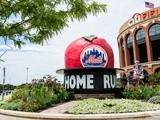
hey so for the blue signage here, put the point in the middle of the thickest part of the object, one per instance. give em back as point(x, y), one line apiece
point(94, 56)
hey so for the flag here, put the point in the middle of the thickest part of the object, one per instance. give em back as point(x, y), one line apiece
point(149, 5)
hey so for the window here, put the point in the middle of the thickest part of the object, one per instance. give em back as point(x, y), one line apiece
point(140, 36)
point(129, 41)
point(154, 32)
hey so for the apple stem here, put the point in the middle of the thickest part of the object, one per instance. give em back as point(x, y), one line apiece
point(90, 38)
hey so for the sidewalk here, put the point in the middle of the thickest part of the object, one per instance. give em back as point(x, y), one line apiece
point(60, 109)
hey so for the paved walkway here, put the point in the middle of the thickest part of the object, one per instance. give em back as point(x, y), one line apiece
point(60, 109)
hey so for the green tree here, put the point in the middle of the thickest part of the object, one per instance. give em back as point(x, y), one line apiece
point(38, 20)
point(154, 78)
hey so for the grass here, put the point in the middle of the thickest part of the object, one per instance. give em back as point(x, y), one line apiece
point(106, 106)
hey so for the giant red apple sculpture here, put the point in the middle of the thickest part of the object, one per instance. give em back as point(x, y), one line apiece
point(89, 51)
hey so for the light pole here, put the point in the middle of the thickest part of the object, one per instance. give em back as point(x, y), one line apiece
point(27, 75)
point(4, 75)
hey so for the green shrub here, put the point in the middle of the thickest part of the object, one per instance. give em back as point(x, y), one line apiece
point(43, 97)
point(157, 93)
point(9, 106)
point(62, 94)
point(28, 106)
point(39, 98)
point(154, 99)
point(128, 93)
point(139, 92)
point(154, 78)
point(35, 98)
point(147, 92)
point(20, 93)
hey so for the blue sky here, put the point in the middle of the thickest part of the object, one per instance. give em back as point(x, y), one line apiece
point(43, 60)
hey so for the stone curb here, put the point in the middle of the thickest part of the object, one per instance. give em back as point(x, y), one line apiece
point(41, 116)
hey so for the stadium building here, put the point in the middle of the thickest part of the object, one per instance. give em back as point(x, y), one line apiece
point(139, 40)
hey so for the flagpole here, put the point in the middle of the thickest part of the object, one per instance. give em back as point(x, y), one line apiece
point(145, 5)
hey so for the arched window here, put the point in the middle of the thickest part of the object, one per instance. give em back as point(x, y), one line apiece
point(154, 32)
point(154, 35)
point(141, 42)
point(157, 70)
point(140, 36)
point(130, 49)
point(129, 41)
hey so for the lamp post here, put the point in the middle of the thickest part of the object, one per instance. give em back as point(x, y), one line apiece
point(4, 75)
point(29, 91)
point(27, 75)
